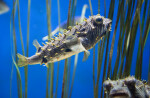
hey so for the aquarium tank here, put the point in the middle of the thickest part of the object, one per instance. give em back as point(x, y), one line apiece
point(72, 48)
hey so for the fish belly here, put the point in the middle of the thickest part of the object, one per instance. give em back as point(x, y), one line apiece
point(63, 56)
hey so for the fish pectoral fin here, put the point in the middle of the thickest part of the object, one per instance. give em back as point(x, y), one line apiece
point(37, 45)
point(44, 60)
point(86, 54)
point(46, 64)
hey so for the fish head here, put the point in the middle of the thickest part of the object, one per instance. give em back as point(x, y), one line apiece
point(94, 29)
point(128, 87)
point(116, 89)
point(100, 21)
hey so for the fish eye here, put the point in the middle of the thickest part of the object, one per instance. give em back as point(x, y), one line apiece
point(99, 20)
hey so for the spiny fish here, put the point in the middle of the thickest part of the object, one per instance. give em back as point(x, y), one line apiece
point(126, 88)
point(79, 38)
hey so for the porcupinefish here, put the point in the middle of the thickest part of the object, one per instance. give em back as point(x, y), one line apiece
point(80, 38)
point(126, 88)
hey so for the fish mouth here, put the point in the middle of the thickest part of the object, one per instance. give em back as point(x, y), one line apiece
point(119, 94)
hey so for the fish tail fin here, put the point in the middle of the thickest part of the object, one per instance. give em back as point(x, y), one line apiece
point(22, 60)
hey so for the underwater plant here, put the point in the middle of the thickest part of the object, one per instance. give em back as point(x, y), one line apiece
point(116, 46)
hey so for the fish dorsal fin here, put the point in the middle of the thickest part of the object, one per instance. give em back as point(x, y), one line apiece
point(37, 45)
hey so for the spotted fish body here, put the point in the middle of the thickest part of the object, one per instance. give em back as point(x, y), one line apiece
point(79, 38)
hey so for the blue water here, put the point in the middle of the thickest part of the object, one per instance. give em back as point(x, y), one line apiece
point(83, 83)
